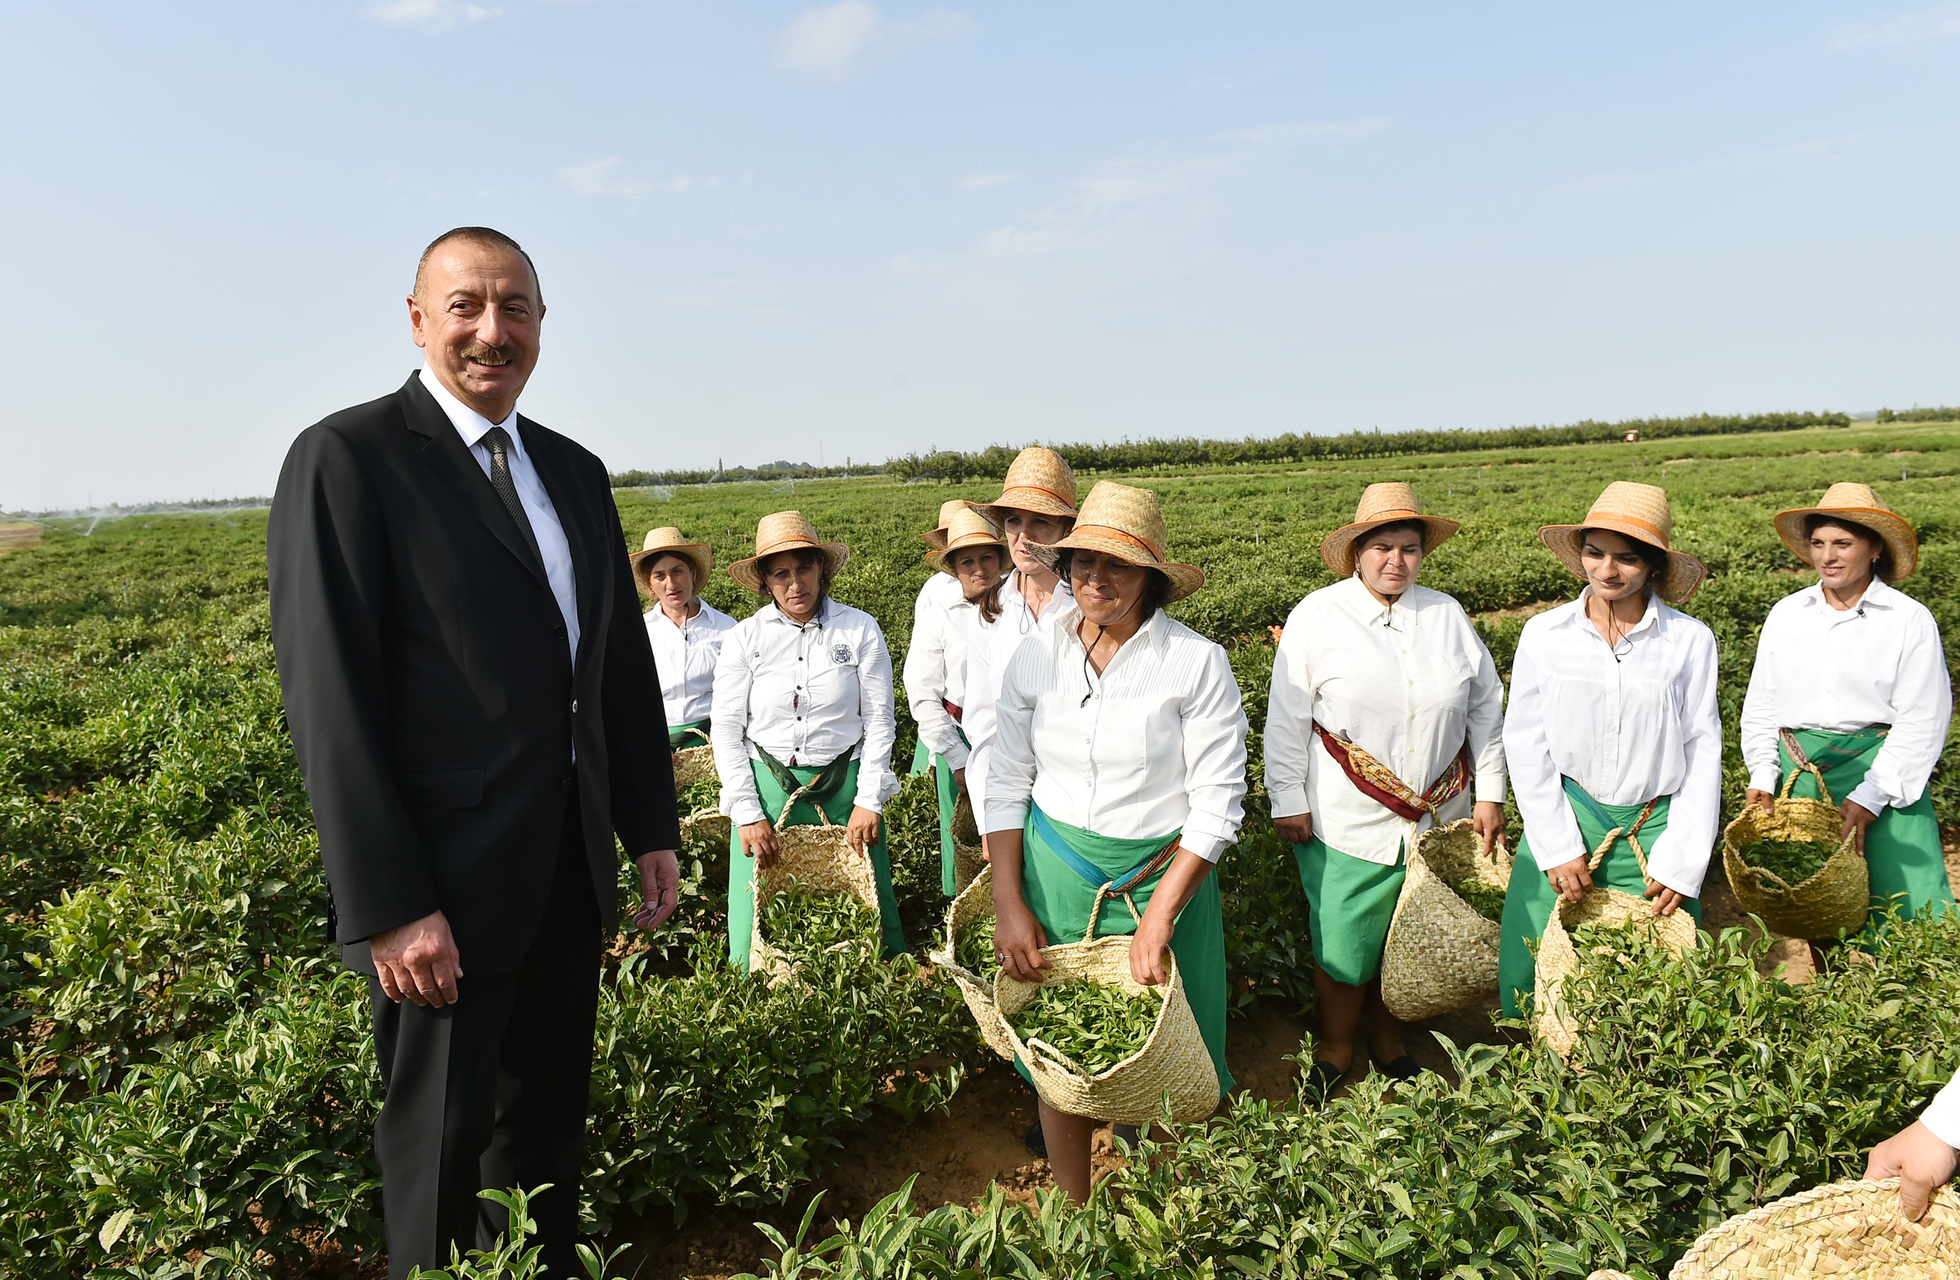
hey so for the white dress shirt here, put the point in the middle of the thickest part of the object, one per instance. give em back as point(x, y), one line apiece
point(1155, 744)
point(935, 665)
point(806, 694)
point(988, 647)
point(1627, 723)
point(1942, 1114)
point(685, 656)
point(531, 495)
point(1407, 684)
point(1819, 667)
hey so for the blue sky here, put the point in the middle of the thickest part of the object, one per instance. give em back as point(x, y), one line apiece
point(783, 231)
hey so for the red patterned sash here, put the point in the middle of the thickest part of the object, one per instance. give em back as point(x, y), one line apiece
point(1378, 782)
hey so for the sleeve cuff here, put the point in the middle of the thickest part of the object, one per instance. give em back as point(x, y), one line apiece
point(1288, 801)
point(1006, 816)
point(1942, 1115)
point(956, 756)
point(1869, 796)
point(1764, 779)
point(745, 810)
point(1210, 848)
point(1490, 790)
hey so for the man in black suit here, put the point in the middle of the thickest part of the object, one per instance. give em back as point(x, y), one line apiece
point(474, 704)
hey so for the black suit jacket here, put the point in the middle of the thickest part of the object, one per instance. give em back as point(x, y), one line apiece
point(427, 685)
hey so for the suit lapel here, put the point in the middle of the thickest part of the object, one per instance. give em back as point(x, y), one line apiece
point(586, 542)
point(452, 461)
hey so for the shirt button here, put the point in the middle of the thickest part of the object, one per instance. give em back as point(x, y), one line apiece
point(574, 706)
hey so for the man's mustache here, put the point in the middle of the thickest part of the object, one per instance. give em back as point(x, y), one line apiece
point(485, 353)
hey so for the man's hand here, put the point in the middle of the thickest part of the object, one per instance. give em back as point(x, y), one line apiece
point(1919, 1160)
point(862, 832)
point(418, 961)
point(1297, 829)
point(1856, 818)
point(660, 888)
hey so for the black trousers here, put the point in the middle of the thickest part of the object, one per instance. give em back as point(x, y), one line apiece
point(490, 1092)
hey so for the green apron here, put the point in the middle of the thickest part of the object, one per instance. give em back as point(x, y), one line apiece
point(1349, 904)
point(1528, 905)
point(692, 734)
point(949, 800)
point(741, 868)
point(1902, 848)
point(1061, 900)
point(921, 758)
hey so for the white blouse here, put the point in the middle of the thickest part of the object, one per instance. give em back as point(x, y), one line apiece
point(1408, 684)
point(1627, 722)
point(1155, 744)
point(685, 656)
point(1818, 667)
point(1942, 1114)
point(806, 694)
point(989, 645)
point(935, 665)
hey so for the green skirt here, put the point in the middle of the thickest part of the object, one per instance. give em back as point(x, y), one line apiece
point(949, 800)
point(741, 868)
point(1349, 904)
point(1061, 900)
point(683, 735)
point(1528, 905)
point(1902, 848)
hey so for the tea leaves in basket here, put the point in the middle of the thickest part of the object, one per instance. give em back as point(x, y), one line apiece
point(799, 922)
point(1792, 861)
point(1094, 1024)
point(1485, 900)
point(975, 949)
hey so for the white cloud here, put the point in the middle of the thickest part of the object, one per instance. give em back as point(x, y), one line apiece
point(833, 42)
point(430, 15)
point(981, 181)
point(1915, 26)
point(602, 178)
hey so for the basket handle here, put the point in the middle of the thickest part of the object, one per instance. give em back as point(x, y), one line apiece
point(1054, 1055)
point(782, 819)
point(1804, 765)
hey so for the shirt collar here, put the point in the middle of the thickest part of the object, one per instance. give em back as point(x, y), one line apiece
point(470, 424)
point(1371, 612)
point(1879, 594)
point(1574, 614)
point(822, 618)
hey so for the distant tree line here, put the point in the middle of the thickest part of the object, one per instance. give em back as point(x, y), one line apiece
point(1143, 455)
point(1941, 414)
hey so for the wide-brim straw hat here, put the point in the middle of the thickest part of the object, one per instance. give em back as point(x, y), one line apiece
point(1126, 522)
point(969, 528)
point(669, 541)
point(936, 537)
point(1854, 504)
point(1038, 481)
point(1637, 511)
point(785, 531)
point(1390, 502)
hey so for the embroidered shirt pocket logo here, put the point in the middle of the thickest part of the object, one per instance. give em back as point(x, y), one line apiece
point(841, 654)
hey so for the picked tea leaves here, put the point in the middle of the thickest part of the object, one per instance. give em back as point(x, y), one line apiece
point(975, 948)
point(1094, 1024)
point(1483, 899)
point(800, 922)
point(1792, 861)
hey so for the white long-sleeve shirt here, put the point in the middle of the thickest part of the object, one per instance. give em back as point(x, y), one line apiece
point(1407, 684)
point(1627, 723)
point(1155, 744)
point(685, 656)
point(1942, 1114)
point(989, 645)
point(806, 694)
point(1818, 667)
point(935, 665)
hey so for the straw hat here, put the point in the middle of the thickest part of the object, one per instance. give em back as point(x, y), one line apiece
point(1387, 503)
point(1127, 523)
point(947, 510)
point(668, 540)
point(784, 531)
point(968, 528)
point(1637, 511)
point(1854, 504)
point(1037, 481)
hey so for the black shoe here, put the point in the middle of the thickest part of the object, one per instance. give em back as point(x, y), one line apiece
point(1403, 1068)
point(1322, 1079)
point(1035, 1140)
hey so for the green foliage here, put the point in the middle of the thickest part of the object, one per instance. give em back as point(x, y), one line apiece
point(802, 923)
point(1093, 1024)
point(1941, 414)
point(1792, 861)
point(974, 948)
point(1482, 898)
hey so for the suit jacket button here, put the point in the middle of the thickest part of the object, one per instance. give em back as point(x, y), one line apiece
point(565, 784)
point(559, 631)
point(574, 706)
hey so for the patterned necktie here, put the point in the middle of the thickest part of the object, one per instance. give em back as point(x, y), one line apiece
point(499, 441)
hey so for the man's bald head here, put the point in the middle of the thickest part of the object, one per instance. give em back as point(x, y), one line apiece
point(488, 237)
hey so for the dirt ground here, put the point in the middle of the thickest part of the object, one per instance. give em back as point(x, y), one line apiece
point(14, 534)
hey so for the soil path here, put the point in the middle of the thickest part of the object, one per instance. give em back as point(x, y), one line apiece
point(14, 534)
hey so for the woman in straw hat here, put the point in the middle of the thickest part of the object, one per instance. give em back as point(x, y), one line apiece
point(973, 558)
point(1120, 766)
point(1386, 718)
point(1036, 508)
point(685, 630)
point(803, 703)
point(1612, 728)
point(937, 598)
point(1851, 675)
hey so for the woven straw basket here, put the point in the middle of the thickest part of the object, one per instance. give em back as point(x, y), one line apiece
point(822, 861)
point(1835, 900)
point(967, 858)
point(1441, 955)
point(1558, 960)
point(692, 765)
point(1173, 1064)
point(705, 824)
point(975, 902)
point(1843, 1229)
